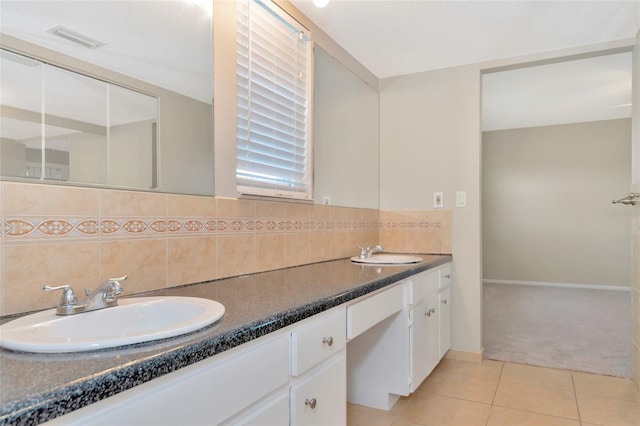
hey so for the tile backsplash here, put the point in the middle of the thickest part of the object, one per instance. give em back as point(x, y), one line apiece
point(81, 236)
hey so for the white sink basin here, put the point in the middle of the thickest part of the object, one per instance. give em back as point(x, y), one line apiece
point(388, 259)
point(134, 320)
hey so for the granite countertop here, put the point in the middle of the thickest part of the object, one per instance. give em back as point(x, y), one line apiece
point(35, 388)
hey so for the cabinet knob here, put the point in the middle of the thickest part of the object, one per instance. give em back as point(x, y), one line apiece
point(448, 276)
point(428, 313)
point(444, 301)
point(311, 402)
point(328, 340)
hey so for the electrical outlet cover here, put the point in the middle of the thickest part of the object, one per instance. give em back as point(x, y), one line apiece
point(438, 200)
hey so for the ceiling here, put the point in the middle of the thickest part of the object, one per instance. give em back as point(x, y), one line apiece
point(166, 43)
point(162, 42)
point(393, 38)
point(400, 37)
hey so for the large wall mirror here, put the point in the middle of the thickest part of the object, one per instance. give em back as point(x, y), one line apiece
point(346, 136)
point(108, 93)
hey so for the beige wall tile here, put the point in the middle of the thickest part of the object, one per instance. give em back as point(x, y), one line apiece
point(269, 251)
point(191, 206)
point(132, 203)
point(298, 211)
point(191, 260)
point(536, 399)
point(270, 210)
point(29, 267)
point(230, 207)
point(144, 261)
point(394, 240)
point(419, 241)
point(319, 246)
point(296, 249)
point(235, 255)
point(49, 200)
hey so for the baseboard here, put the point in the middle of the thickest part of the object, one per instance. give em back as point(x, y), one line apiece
point(464, 355)
point(559, 285)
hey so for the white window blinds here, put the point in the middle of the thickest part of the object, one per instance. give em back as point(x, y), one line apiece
point(273, 86)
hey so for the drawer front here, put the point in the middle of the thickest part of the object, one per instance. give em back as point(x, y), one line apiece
point(207, 391)
point(363, 315)
point(321, 398)
point(422, 285)
point(445, 275)
point(274, 412)
point(318, 340)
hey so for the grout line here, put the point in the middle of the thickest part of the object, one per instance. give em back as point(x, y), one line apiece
point(495, 392)
point(575, 397)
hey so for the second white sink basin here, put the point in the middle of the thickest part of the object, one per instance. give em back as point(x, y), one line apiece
point(388, 259)
point(134, 320)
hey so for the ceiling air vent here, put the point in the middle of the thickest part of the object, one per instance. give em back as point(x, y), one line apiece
point(75, 37)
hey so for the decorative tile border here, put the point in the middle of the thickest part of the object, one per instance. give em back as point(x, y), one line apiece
point(422, 225)
point(20, 229)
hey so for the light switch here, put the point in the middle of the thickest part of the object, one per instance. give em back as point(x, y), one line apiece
point(461, 199)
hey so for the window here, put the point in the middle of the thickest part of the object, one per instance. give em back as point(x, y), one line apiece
point(273, 91)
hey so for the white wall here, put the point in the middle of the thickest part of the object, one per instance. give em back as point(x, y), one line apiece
point(547, 212)
point(430, 141)
point(635, 222)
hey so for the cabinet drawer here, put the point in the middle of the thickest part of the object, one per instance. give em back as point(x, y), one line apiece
point(321, 398)
point(445, 275)
point(207, 392)
point(317, 341)
point(363, 315)
point(422, 285)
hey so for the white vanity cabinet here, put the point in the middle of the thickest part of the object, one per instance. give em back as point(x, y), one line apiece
point(393, 358)
point(318, 392)
point(295, 376)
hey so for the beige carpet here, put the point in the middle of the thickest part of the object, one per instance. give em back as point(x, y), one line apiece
point(578, 329)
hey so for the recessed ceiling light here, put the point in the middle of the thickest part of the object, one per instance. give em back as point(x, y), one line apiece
point(75, 37)
point(320, 3)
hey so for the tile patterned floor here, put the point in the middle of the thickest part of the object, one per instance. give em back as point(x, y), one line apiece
point(497, 393)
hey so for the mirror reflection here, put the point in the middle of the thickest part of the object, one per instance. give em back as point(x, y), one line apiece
point(346, 138)
point(121, 99)
point(63, 126)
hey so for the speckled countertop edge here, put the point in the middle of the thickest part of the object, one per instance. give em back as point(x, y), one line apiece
point(84, 390)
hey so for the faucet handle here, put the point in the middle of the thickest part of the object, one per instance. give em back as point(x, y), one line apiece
point(68, 297)
point(114, 287)
point(363, 252)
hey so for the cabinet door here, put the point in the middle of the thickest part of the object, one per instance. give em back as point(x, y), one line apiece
point(444, 299)
point(321, 399)
point(424, 340)
point(273, 412)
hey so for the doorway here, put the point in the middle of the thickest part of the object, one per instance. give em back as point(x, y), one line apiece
point(556, 252)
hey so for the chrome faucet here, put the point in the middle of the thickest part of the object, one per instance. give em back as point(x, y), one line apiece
point(104, 296)
point(366, 252)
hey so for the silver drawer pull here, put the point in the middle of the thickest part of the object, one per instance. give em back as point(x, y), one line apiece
point(328, 341)
point(311, 402)
point(448, 276)
point(444, 301)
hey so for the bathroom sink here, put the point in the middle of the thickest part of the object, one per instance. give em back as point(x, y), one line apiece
point(134, 320)
point(388, 259)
